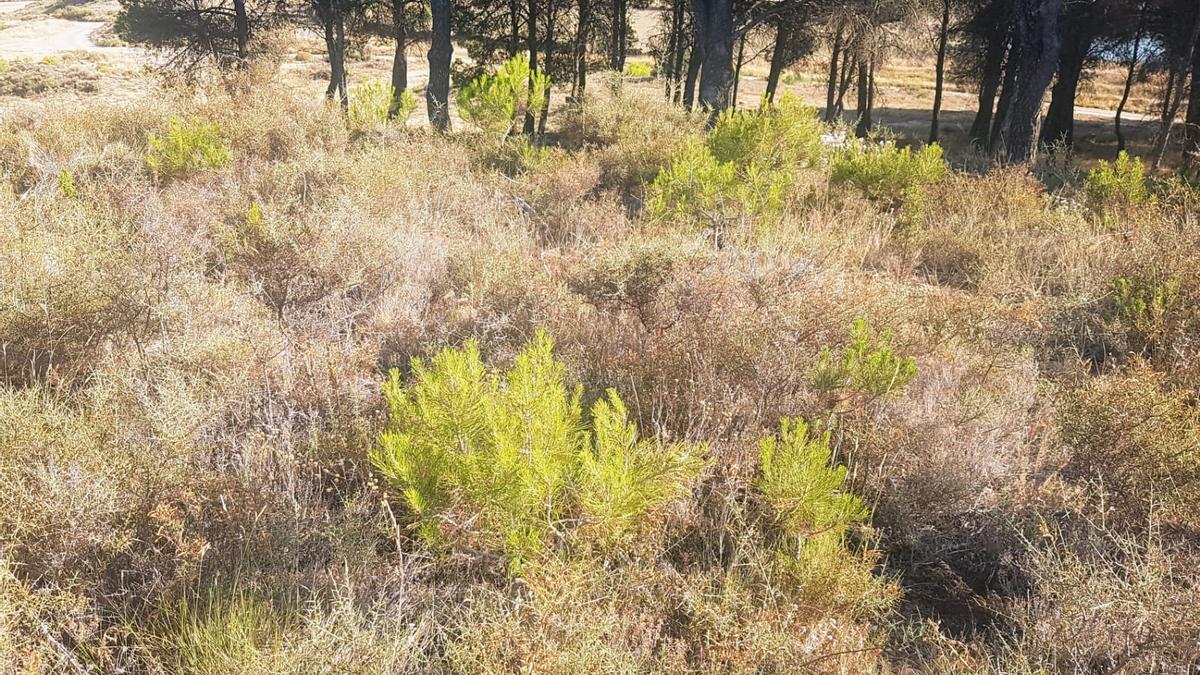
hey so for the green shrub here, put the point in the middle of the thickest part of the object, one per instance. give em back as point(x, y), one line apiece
point(742, 171)
point(639, 69)
point(810, 510)
point(699, 190)
point(66, 184)
point(868, 365)
point(495, 103)
point(512, 454)
point(1118, 184)
point(186, 147)
point(372, 101)
point(225, 634)
point(889, 175)
point(801, 489)
point(784, 135)
point(1143, 307)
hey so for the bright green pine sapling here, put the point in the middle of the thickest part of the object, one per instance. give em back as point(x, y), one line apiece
point(186, 147)
point(868, 365)
point(623, 477)
point(507, 459)
point(800, 487)
point(495, 103)
point(805, 496)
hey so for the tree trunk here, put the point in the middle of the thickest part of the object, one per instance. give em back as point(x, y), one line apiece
point(737, 70)
point(437, 93)
point(989, 84)
point(335, 46)
point(514, 27)
point(241, 28)
point(714, 32)
point(668, 60)
point(863, 109)
point(779, 58)
point(1174, 94)
point(1037, 29)
point(623, 36)
point(1011, 65)
point(399, 61)
point(1133, 61)
point(831, 88)
point(677, 72)
point(693, 70)
point(1059, 127)
point(531, 43)
point(1191, 130)
point(581, 47)
point(616, 49)
point(940, 71)
point(340, 33)
point(847, 76)
point(548, 60)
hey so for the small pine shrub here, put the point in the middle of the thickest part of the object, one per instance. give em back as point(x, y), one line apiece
point(512, 455)
point(1144, 308)
point(812, 514)
point(868, 365)
point(622, 477)
point(639, 69)
point(515, 156)
point(889, 175)
point(374, 102)
point(66, 184)
point(784, 135)
point(1115, 185)
point(802, 490)
point(186, 147)
point(742, 171)
point(697, 189)
point(495, 103)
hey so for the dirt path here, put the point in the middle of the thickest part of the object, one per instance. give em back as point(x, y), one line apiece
point(45, 37)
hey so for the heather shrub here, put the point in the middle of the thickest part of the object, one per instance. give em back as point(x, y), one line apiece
point(496, 103)
point(186, 146)
point(889, 175)
point(631, 277)
point(1140, 442)
point(68, 284)
point(634, 133)
point(1103, 600)
point(512, 453)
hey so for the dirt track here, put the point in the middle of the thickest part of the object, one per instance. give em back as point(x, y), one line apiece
point(44, 37)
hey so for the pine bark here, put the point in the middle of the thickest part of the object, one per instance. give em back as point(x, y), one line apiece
point(437, 92)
